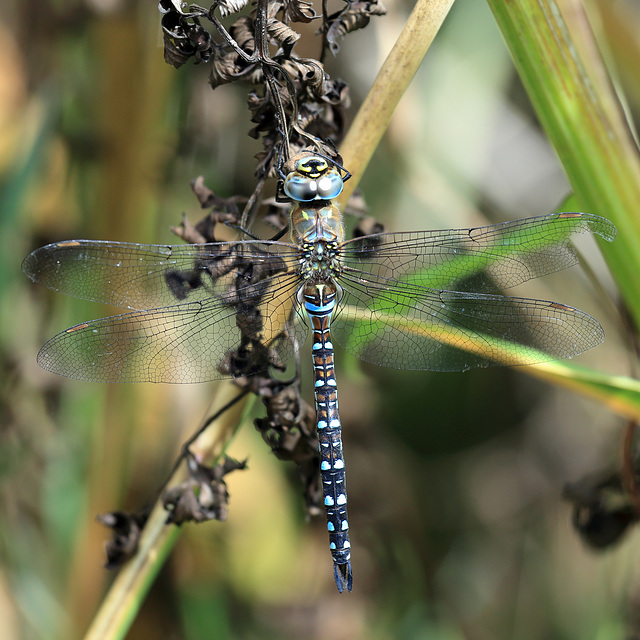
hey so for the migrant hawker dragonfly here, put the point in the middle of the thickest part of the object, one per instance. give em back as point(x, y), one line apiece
point(413, 300)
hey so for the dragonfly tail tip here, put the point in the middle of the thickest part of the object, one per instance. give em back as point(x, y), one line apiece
point(343, 575)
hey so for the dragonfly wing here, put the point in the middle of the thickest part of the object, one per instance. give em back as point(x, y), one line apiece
point(408, 327)
point(140, 276)
point(189, 342)
point(484, 259)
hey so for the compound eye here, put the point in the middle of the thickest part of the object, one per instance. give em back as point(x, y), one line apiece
point(330, 186)
point(300, 188)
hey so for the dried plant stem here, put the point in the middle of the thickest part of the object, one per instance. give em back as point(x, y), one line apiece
point(392, 81)
point(127, 592)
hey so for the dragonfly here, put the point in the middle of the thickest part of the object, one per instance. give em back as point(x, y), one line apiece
point(426, 300)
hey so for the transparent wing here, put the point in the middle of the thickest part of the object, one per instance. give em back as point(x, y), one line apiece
point(407, 327)
point(140, 276)
point(487, 258)
point(244, 330)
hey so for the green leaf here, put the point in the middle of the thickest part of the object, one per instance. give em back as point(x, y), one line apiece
point(558, 61)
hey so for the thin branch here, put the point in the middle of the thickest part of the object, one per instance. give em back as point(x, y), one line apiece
point(129, 588)
point(392, 81)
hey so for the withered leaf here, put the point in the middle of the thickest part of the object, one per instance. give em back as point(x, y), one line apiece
point(355, 16)
point(204, 495)
point(227, 7)
point(184, 38)
point(336, 92)
point(226, 68)
point(126, 529)
point(299, 11)
point(367, 226)
point(242, 32)
point(164, 6)
point(289, 430)
point(603, 510)
point(308, 73)
point(283, 35)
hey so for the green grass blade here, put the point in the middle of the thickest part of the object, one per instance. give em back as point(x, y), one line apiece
point(558, 62)
point(620, 394)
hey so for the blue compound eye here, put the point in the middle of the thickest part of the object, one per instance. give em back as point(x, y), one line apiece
point(300, 188)
point(304, 189)
point(330, 185)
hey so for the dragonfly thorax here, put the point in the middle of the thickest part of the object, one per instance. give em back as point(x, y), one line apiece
point(316, 221)
point(319, 261)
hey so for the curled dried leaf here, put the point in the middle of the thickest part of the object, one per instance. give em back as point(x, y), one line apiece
point(227, 7)
point(299, 11)
point(125, 529)
point(367, 226)
point(184, 38)
point(243, 32)
point(282, 35)
point(226, 67)
point(336, 92)
point(289, 430)
point(356, 15)
point(308, 74)
point(203, 496)
point(603, 510)
point(300, 102)
point(165, 6)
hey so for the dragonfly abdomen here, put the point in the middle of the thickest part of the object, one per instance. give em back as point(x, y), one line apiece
point(319, 302)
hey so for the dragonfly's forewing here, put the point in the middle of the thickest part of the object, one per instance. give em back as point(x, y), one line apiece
point(141, 276)
point(234, 295)
point(492, 258)
point(397, 311)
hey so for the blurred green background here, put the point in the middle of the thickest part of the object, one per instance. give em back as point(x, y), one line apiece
point(455, 480)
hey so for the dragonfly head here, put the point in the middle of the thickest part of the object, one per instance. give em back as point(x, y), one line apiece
point(313, 178)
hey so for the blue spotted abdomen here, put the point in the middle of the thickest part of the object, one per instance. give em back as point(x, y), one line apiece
point(319, 301)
